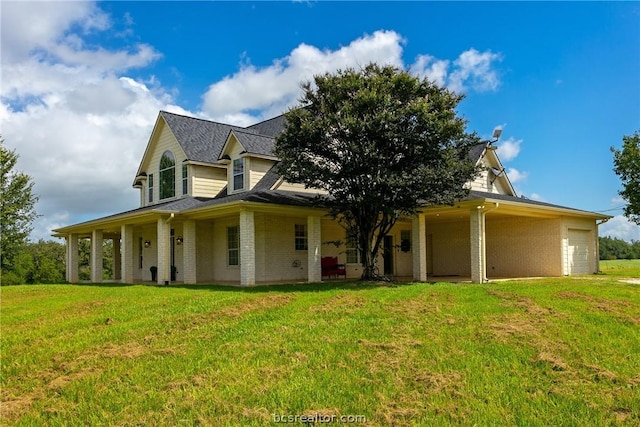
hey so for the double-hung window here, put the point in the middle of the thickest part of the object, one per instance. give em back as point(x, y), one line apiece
point(150, 188)
point(238, 174)
point(301, 240)
point(233, 245)
point(167, 175)
point(185, 180)
point(353, 253)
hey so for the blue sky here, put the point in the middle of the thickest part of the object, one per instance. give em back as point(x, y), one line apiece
point(82, 83)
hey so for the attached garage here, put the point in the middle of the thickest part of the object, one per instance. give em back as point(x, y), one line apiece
point(578, 261)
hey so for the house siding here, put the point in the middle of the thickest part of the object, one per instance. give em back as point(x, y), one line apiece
point(257, 169)
point(165, 141)
point(207, 181)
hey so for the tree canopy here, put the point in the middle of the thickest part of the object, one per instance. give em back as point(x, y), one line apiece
point(382, 143)
point(626, 163)
point(17, 208)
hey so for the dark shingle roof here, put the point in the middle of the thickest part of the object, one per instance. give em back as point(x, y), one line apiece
point(254, 143)
point(272, 127)
point(476, 151)
point(201, 140)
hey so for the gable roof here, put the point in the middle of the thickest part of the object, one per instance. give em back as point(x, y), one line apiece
point(202, 140)
point(272, 127)
point(254, 143)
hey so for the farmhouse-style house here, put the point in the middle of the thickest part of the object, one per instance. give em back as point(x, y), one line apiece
point(213, 209)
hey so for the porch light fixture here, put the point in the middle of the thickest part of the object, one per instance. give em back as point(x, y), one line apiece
point(147, 243)
point(179, 240)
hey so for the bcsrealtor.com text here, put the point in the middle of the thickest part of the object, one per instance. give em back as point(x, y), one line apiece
point(318, 418)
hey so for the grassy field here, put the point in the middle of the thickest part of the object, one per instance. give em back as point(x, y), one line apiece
point(536, 353)
point(621, 267)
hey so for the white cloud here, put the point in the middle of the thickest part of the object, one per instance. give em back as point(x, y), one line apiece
point(620, 227)
point(79, 126)
point(274, 88)
point(516, 176)
point(509, 149)
point(80, 122)
point(537, 197)
point(475, 69)
point(432, 68)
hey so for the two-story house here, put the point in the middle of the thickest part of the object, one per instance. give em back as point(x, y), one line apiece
point(213, 209)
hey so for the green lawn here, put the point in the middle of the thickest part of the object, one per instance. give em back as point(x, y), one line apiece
point(621, 267)
point(535, 353)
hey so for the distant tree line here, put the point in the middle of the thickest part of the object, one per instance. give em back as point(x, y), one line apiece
point(614, 248)
point(44, 262)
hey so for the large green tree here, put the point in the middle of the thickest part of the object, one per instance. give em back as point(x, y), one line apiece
point(17, 209)
point(626, 164)
point(382, 143)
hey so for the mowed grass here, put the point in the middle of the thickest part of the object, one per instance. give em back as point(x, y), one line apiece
point(537, 353)
point(621, 267)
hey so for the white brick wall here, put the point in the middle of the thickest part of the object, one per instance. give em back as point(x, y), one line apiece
point(247, 249)
point(72, 258)
point(189, 252)
point(127, 253)
point(96, 256)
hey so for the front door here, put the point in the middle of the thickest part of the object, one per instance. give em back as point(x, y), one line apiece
point(387, 255)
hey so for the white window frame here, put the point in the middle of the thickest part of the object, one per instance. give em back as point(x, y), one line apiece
point(233, 247)
point(301, 237)
point(235, 174)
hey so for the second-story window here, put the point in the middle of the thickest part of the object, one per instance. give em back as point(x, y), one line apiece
point(185, 180)
point(150, 187)
point(238, 174)
point(167, 175)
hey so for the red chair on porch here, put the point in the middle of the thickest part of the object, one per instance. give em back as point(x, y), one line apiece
point(331, 268)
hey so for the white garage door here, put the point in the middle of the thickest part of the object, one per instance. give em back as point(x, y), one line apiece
point(579, 252)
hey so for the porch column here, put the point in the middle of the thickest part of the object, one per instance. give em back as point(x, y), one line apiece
point(117, 260)
point(419, 248)
point(126, 254)
point(164, 251)
point(313, 249)
point(96, 256)
point(72, 258)
point(478, 245)
point(189, 251)
point(247, 249)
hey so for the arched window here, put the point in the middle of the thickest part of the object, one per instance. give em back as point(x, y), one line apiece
point(167, 175)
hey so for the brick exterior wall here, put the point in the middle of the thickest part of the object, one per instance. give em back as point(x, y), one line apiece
point(72, 258)
point(189, 252)
point(96, 256)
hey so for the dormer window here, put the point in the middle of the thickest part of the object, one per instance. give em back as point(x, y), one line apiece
point(238, 174)
point(167, 175)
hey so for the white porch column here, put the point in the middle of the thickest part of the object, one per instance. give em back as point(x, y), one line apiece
point(117, 260)
point(478, 245)
point(96, 256)
point(72, 258)
point(126, 254)
point(247, 249)
point(189, 251)
point(164, 251)
point(314, 253)
point(419, 248)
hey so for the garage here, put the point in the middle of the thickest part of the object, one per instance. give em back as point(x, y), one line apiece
point(578, 251)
